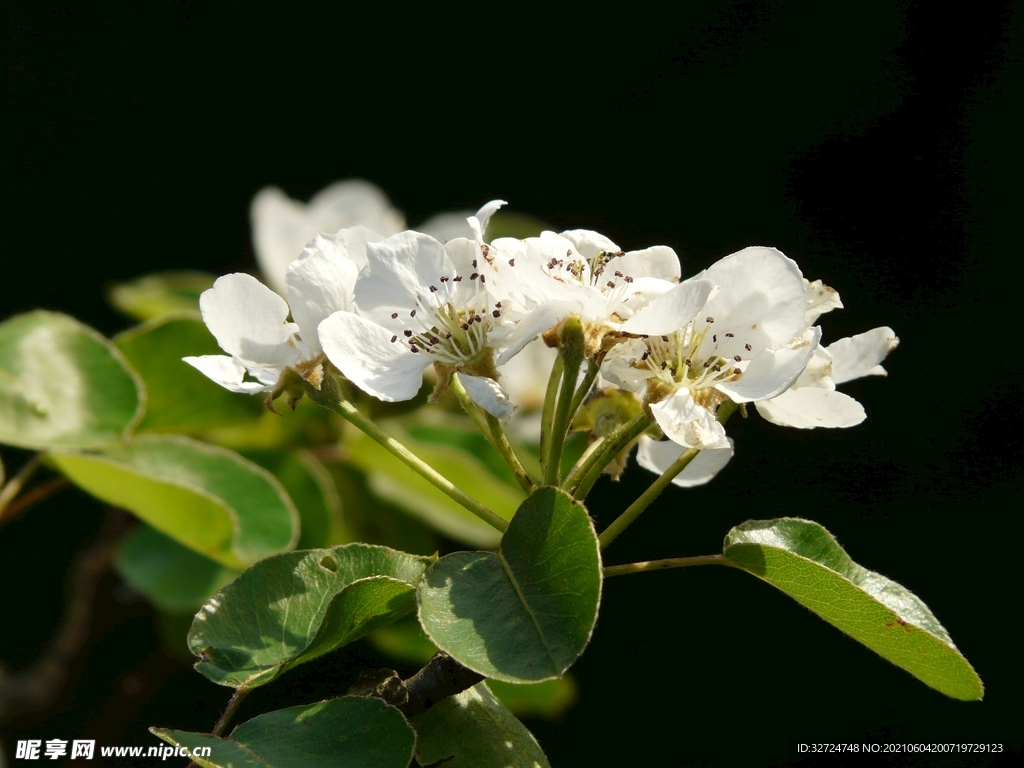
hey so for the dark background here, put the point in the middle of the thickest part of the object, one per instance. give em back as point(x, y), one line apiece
point(877, 145)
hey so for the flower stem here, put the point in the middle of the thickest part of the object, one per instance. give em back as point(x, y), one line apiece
point(230, 710)
point(329, 396)
point(500, 442)
point(623, 521)
point(589, 469)
point(491, 428)
point(548, 414)
point(560, 425)
point(593, 368)
point(660, 565)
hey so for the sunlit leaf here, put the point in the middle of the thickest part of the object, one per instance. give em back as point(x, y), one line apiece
point(294, 607)
point(62, 385)
point(473, 729)
point(526, 612)
point(350, 732)
point(210, 499)
point(802, 559)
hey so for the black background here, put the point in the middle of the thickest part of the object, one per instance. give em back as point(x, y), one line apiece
point(877, 145)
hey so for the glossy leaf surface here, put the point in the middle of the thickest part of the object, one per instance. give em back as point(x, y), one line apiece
point(526, 612)
point(474, 729)
point(62, 385)
point(350, 732)
point(294, 607)
point(210, 499)
point(802, 559)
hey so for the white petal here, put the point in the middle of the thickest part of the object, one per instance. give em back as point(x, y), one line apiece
point(320, 282)
point(400, 268)
point(820, 299)
point(350, 203)
point(249, 321)
point(488, 395)
point(531, 326)
point(762, 298)
point(860, 355)
point(773, 371)
point(687, 423)
point(366, 356)
point(657, 261)
point(810, 407)
point(672, 311)
point(479, 222)
point(590, 243)
point(657, 456)
point(226, 372)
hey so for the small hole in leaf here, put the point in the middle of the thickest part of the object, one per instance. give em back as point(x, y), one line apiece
point(330, 564)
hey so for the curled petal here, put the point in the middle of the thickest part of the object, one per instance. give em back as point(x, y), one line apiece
point(810, 407)
point(686, 422)
point(657, 456)
point(860, 355)
point(488, 395)
point(657, 261)
point(228, 373)
point(479, 222)
point(366, 356)
point(671, 311)
point(820, 299)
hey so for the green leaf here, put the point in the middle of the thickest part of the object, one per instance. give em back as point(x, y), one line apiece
point(802, 559)
point(474, 729)
point(526, 612)
point(181, 399)
point(292, 608)
point(207, 498)
point(350, 732)
point(62, 385)
point(391, 480)
point(175, 578)
point(161, 293)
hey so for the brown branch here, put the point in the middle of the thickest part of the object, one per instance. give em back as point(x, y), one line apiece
point(32, 497)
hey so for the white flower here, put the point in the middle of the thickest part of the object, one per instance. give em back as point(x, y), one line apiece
point(281, 227)
point(421, 303)
point(736, 331)
point(250, 321)
point(580, 273)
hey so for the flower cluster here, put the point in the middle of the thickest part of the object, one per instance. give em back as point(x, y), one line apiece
point(383, 309)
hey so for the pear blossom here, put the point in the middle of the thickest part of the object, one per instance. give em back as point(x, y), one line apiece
point(421, 303)
point(251, 322)
point(582, 273)
point(735, 332)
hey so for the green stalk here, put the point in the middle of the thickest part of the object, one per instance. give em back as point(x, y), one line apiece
point(13, 486)
point(349, 412)
point(491, 428)
point(660, 565)
point(623, 521)
point(548, 414)
point(560, 425)
point(589, 469)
